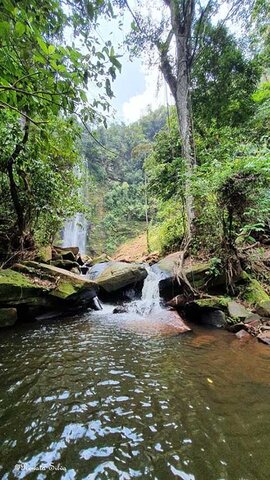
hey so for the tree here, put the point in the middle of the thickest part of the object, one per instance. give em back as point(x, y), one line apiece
point(182, 27)
point(223, 81)
point(43, 77)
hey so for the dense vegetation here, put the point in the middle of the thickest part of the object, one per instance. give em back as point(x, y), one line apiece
point(200, 174)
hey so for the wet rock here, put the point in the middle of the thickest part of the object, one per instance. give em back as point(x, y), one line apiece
point(178, 301)
point(264, 309)
point(120, 309)
point(236, 327)
point(8, 317)
point(214, 318)
point(84, 269)
point(118, 275)
point(163, 323)
point(237, 311)
point(243, 335)
point(97, 269)
point(264, 337)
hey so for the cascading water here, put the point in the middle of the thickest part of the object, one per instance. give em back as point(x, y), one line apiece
point(150, 300)
point(75, 229)
point(75, 232)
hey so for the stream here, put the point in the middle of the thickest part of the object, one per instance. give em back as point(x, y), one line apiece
point(119, 396)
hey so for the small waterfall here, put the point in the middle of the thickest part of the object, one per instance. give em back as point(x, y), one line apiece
point(150, 300)
point(75, 232)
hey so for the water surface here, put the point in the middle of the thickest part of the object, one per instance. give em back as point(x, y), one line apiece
point(103, 399)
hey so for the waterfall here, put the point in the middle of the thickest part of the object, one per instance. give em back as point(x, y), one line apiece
point(75, 229)
point(75, 232)
point(150, 300)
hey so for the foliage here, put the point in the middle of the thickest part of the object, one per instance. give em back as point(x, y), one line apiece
point(44, 175)
point(115, 158)
point(223, 80)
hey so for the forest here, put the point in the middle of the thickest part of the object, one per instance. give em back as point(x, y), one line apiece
point(134, 249)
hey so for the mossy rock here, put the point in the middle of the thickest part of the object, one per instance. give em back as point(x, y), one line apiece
point(64, 283)
point(254, 294)
point(16, 288)
point(221, 303)
point(198, 274)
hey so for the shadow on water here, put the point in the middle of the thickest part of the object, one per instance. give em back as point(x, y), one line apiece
point(103, 397)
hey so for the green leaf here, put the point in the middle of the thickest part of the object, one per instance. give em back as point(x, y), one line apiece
point(19, 29)
point(42, 45)
point(51, 49)
point(4, 29)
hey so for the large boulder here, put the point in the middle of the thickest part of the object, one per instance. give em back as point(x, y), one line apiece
point(16, 289)
point(254, 294)
point(198, 274)
point(64, 285)
point(118, 275)
point(8, 316)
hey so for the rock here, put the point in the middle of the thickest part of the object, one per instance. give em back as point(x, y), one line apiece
point(63, 250)
point(66, 265)
point(253, 317)
point(16, 288)
point(198, 274)
point(264, 337)
point(8, 317)
point(164, 323)
point(101, 259)
point(236, 327)
point(243, 335)
point(263, 308)
point(215, 318)
point(237, 311)
point(64, 285)
point(120, 309)
point(97, 269)
point(178, 301)
point(69, 256)
point(84, 270)
point(118, 275)
point(253, 292)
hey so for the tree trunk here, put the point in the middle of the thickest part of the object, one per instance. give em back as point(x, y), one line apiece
point(182, 14)
point(13, 186)
point(183, 108)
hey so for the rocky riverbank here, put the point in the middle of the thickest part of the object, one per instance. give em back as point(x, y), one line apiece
point(53, 286)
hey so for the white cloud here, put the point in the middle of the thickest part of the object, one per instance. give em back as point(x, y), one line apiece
point(153, 96)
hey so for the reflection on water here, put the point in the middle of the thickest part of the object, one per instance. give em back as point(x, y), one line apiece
point(102, 400)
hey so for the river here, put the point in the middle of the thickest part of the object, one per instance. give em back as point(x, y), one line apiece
point(100, 397)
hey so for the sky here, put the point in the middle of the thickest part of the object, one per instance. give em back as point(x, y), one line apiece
point(137, 87)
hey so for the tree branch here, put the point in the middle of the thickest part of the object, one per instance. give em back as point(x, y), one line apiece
point(6, 105)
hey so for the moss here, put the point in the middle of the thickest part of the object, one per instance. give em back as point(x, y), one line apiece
point(253, 292)
point(214, 302)
point(17, 288)
point(64, 290)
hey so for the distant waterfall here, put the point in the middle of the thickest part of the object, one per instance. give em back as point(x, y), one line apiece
point(75, 229)
point(75, 232)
